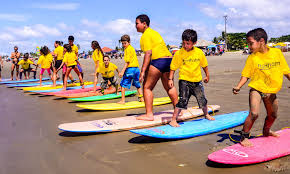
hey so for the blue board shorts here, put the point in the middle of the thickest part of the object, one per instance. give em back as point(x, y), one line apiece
point(131, 76)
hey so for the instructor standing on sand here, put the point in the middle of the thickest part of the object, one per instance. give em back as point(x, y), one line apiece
point(156, 65)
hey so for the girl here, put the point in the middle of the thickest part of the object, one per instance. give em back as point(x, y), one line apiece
point(45, 61)
point(70, 59)
point(98, 59)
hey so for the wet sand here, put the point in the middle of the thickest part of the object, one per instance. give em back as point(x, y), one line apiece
point(31, 143)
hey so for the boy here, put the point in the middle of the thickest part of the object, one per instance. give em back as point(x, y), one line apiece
point(107, 70)
point(1, 66)
point(75, 49)
point(15, 59)
point(25, 67)
point(130, 71)
point(189, 59)
point(265, 67)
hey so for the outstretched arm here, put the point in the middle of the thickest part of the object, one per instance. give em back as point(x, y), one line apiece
point(243, 80)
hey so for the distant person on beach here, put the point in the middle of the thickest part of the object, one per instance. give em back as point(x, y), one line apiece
point(188, 60)
point(25, 67)
point(45, 61)
point(156, 65)
point(130, 72)
point(15, 59)
point(107, 69)
point(70, 60)
point(98, 59)
point(75, 49)
point(58, 57)
point(265, 67)
point(1, 67)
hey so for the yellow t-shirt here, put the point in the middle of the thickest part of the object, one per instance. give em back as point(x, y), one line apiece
point(131, 57)
point(70, 59)
point(59, 51)
point(75, 49)
point(45, 61)
point(25, 64)
point(266, 70)
point(107, 72)
point(189, 63)
point(97, 56)
point(151, 40)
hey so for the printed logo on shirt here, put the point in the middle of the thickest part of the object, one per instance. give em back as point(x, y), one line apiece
point(268, 66)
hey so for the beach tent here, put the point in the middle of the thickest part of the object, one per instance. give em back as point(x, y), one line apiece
point(106, 49)
point(203, 43)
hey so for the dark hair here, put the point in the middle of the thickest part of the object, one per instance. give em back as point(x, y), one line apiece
point(144, 18)
point(189, 35)
point(71, 38)
point(125, 38)
point(59, 42)
point(258, 34)
point(97, 46)
point(26, 55)
point(44, 50)
point(106, 56)
point(16, 46)
point(67, 47)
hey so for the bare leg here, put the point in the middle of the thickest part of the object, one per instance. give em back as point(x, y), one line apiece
point(40, 79)
point(205, 112)
point(80, 77)
point(254, 101)
point(139, 90)
point(123, 96)
point(173, 121)
point(152, 75)
point(12, 70)
point(171, 92)
point(271, 104)
point(68, 70)
point(95, 83)
point(54, 77)
point(17, 72)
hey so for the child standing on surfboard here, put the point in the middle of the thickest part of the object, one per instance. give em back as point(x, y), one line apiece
point(265, 67)
point(188, 60)
point(45, 61)
point(98, 59)
point(130, 72)
point(107, 70)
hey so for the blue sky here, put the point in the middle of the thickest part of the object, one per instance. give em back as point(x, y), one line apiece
point(33, 23)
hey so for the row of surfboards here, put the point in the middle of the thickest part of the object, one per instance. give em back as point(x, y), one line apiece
point(235, 154)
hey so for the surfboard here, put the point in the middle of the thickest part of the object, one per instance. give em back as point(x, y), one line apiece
point(127, 105)
point(103, 97)
point(23, 81)
point(87, 93)
point(51, 87)
point(130, 122)
point(263, 149)
point(31, 84)
point(195, 128)
point(55, 91)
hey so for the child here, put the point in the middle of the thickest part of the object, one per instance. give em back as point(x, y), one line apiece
point(75, 49)
point(156, 65)
point(15, 59)
point(25, 67)
point(265, 67)
point(98, 59)
point(107, 70)
point(71, 61)
point(45, 60)
point(58, 57)
point(130, 72)
point(189, 59)
point(1, 67)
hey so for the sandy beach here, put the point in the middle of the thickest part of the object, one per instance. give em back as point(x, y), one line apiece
point(31, 142)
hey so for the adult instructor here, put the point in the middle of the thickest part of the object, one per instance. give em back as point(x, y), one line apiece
point(15, 59)
point(156, 65)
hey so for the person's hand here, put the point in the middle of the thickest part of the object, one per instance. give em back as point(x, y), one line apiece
point(141, 78)
point(236, 90)
point(170, 83)
point(206, 80)
point(121, 74)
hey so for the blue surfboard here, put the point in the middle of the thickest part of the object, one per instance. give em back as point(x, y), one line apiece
point(31, 84)
point(195, 128)
point(56, 90)
point(23, 81)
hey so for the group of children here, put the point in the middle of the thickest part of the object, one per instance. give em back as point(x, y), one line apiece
point(265, 67)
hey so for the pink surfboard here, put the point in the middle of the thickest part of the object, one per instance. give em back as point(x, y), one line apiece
point(263, 149)
point(85, 93)
point(72, 91)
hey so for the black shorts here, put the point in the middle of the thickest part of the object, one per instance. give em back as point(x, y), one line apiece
point(186, 89)
point(27, 70)
point(104, 83)
point(72, 66)
point(57, 64)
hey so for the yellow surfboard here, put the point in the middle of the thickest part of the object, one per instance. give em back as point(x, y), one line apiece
point(49, 87)
point(128, 105)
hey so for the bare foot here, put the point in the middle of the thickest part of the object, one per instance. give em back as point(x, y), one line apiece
point(174, 123)
point(270, 133)
point(121, 102)
point(246, 143)
point(209, 117)
point(145, 117)
point(140, 99)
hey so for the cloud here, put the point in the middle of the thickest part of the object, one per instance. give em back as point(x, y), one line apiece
point(57, 6)
point(85, 35)
point(13, 17)
point(92, 24)
point(121, 26)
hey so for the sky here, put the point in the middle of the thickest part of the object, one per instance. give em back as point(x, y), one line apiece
point(31, 23)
